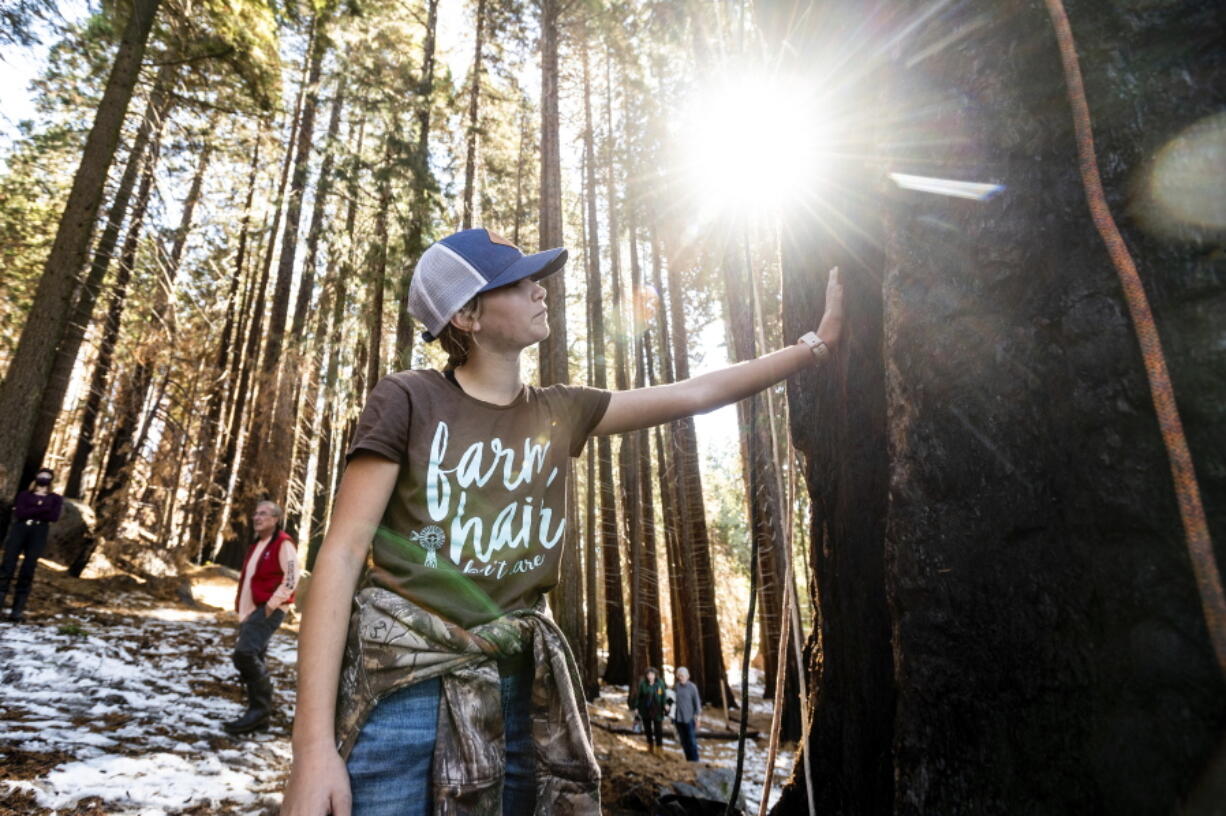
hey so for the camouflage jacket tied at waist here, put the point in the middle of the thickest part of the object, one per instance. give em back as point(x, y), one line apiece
point(394, 643)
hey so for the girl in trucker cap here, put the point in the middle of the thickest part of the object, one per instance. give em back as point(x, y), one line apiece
point(432, 679)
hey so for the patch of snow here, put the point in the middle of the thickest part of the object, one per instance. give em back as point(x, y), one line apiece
point(132, 702)
point(179, 615)
point(150, 783)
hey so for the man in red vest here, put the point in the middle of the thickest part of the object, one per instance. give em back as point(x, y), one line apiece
point(265, 586)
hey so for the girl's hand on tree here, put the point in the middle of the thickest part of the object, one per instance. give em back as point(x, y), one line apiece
point(318, 785)
point(832, 321)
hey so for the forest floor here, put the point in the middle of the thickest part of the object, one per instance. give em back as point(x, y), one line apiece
point(113, 690)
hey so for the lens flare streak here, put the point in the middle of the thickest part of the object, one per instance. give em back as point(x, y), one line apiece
point(974, 190)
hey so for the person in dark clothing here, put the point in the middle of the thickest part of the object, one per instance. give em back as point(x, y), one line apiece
point(265, 587)
point(687, 709)
point(649, 701)
point(35, 509)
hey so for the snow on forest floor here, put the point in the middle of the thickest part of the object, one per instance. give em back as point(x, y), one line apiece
point(118, 709)
point(112, 702)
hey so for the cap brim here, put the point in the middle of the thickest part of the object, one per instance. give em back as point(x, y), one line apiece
point(540, 265)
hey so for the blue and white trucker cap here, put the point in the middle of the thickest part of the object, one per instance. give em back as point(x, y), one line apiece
point(459, 266)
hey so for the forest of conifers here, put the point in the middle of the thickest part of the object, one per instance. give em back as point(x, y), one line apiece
point(213, 273)
point(208, 230)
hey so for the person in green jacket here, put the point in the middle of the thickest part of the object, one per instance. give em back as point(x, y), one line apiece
point(650, 702)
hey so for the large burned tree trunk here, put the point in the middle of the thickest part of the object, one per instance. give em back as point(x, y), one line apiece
point(1046, 650)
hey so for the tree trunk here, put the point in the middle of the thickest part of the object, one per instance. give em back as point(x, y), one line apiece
point(687, 634)
point(205, 503)
point(765, 504)
point(423, 187)
point(258, 376)
point(553, 365)
point(100, 378)
point(305, 419)
point(377, 269)
point(648, 602)
point(591, 578)
point(132, 395)
point(520, 161)
point(628, 452)
point(617, 667)
point(986, 464)
point(323, 462)
point(87, 295)
point(161, 319)
point(590, 658)
point(474, 105)
point(274, 417)
point(712, 682)
point(26, 378)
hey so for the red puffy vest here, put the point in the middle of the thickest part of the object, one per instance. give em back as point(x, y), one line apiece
point(268, 574)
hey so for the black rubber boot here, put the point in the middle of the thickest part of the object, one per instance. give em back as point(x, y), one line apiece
point(259, 694)
point(259, 708)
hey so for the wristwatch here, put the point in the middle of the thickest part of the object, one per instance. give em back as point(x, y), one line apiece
point(816, 345)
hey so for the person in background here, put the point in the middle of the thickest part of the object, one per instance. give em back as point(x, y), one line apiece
point(686, 711)
point(35, 509)
point(649, 702)
point(265, 586)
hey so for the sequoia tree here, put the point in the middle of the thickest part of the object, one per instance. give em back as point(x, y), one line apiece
point(1008, 619)
point(26, 378)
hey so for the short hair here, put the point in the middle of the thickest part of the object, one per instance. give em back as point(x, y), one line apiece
point(276, 508)
point(682, 672)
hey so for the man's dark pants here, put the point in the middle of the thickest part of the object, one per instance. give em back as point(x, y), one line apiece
point(253, 636)
point(688, 740)
point(24, 539)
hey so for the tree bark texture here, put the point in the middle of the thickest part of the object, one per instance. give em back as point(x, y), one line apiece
point(474, 110)
point(617, 666)
point(206, 442)
point(711, 677)
point(1026, 634)
point(87, 295)
point(256, 393)
point(26, 379)
point(424, 186)
point(687, 637)
point(209, 494)
point(765, 504)
point(134, 390)
point(647, 599)
point(553, 365)
point(275, 418)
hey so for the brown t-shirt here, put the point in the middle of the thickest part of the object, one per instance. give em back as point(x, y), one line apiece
point(476, 523)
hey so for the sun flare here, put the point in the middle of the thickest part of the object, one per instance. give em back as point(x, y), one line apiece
point(751, 143)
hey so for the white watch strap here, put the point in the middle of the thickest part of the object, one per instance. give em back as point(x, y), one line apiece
point(816, 345)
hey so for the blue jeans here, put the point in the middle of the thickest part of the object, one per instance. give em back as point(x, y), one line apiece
point(389, 767)
point(688, 739)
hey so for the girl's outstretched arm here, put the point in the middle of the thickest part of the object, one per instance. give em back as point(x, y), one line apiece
point(644, 407)
point(318, 782)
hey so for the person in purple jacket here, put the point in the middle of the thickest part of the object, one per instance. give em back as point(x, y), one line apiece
point(34, 510)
